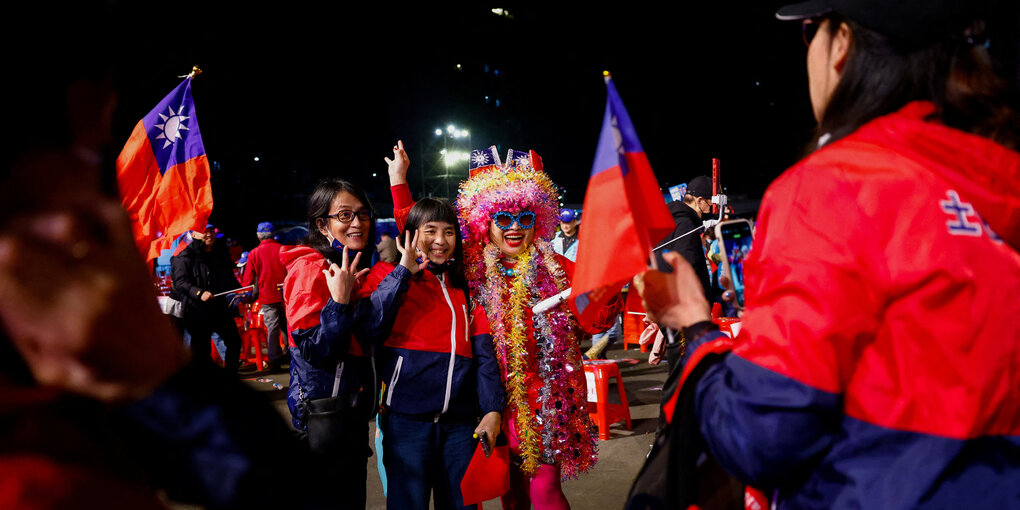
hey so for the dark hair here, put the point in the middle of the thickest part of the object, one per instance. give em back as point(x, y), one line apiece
point(319, 203)
point(957, 74)
point(434, 209)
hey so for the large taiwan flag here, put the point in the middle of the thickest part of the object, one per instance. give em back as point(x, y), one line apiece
point(624, 212)
point(163, 174)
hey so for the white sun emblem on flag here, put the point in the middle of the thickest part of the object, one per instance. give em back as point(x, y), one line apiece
point(480, 158)
point(172, 126)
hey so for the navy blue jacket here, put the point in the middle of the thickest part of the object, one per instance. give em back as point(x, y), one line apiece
point(324, 333)
point(439, 358)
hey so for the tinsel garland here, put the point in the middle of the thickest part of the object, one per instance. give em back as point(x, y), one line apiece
point(561, 424)
point(557, 429)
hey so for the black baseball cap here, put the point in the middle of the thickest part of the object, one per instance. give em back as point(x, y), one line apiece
point(915, 22)
point(700, 186)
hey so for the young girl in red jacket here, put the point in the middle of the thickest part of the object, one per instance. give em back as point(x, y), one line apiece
point(438, 364)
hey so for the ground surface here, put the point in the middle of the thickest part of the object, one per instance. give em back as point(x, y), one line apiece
point(620, 457)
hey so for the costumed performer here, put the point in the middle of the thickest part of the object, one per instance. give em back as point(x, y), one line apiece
point(508, 215)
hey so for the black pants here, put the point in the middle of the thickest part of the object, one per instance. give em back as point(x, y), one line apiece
point(201, 331)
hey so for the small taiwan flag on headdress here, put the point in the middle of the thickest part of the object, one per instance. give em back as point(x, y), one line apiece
point(163, 173)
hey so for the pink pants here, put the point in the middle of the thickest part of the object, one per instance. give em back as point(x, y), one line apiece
point(543, 490)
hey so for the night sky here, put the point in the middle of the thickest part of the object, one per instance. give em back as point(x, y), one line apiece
point(315, 91)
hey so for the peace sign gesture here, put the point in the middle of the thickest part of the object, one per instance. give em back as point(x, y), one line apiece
point(398, 165)
point(341, 279)
point(409, 252)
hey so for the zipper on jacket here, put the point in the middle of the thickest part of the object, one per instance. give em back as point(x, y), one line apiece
point(336, 378)
point(467, 323)
point(393, 380)
point(453, 345)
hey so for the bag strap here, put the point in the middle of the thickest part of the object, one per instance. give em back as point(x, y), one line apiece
point(336, 379)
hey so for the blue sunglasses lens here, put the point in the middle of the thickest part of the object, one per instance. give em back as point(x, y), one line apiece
point(505, 220)
point(526, 219)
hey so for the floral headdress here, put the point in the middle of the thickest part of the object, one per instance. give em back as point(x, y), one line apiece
point(493, 186)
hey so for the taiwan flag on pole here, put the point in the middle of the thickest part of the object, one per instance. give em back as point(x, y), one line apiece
point(163, 173)
point(624, 212)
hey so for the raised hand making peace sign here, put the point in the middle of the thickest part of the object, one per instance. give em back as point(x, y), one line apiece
point(341, 279)
point(409, 253)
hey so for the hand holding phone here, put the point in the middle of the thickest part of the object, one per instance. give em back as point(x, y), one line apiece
point(734, 238)
point(483, 439)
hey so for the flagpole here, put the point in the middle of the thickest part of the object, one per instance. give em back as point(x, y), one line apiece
point(234, 291)
point(608, 77)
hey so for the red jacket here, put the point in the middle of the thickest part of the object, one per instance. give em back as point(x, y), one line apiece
point(265, 268)
point(439, 356)
point(324, 333)
point(877, 365)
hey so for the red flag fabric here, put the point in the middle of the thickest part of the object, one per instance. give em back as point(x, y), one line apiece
point(163, 174)
point(486, 477)
point(624, 212)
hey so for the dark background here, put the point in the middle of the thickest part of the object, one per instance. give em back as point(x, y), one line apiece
point(317, 91)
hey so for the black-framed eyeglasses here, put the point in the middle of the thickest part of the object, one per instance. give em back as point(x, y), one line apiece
point(347, 216)
point(505, 220)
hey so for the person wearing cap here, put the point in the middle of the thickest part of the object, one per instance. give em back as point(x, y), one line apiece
point(565, 241)
point(199, 272)
point(265, 270)
point(877, 362)
point(688, 214)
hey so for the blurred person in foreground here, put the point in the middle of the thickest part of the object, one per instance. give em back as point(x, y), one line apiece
point(99, 402)
point(876, 366)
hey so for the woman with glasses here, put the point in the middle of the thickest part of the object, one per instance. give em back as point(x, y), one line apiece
point(508, 215)
point(332, 328)
point(877, 362)
point(442, 381)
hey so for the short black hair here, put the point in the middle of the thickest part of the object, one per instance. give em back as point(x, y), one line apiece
point(434, 209)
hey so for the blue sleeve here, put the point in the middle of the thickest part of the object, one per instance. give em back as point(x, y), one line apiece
point(376, 313)
point(207, 438)
point(491, 394)
point(764, 427)
point(323, 345)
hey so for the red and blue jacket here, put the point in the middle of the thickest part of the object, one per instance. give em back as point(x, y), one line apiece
point(877, 365)
point(439, 358)
point(324, 333)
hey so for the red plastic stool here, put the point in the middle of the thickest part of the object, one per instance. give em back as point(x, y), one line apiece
point(632, 328)
point(253, 336)
point(598, 373)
